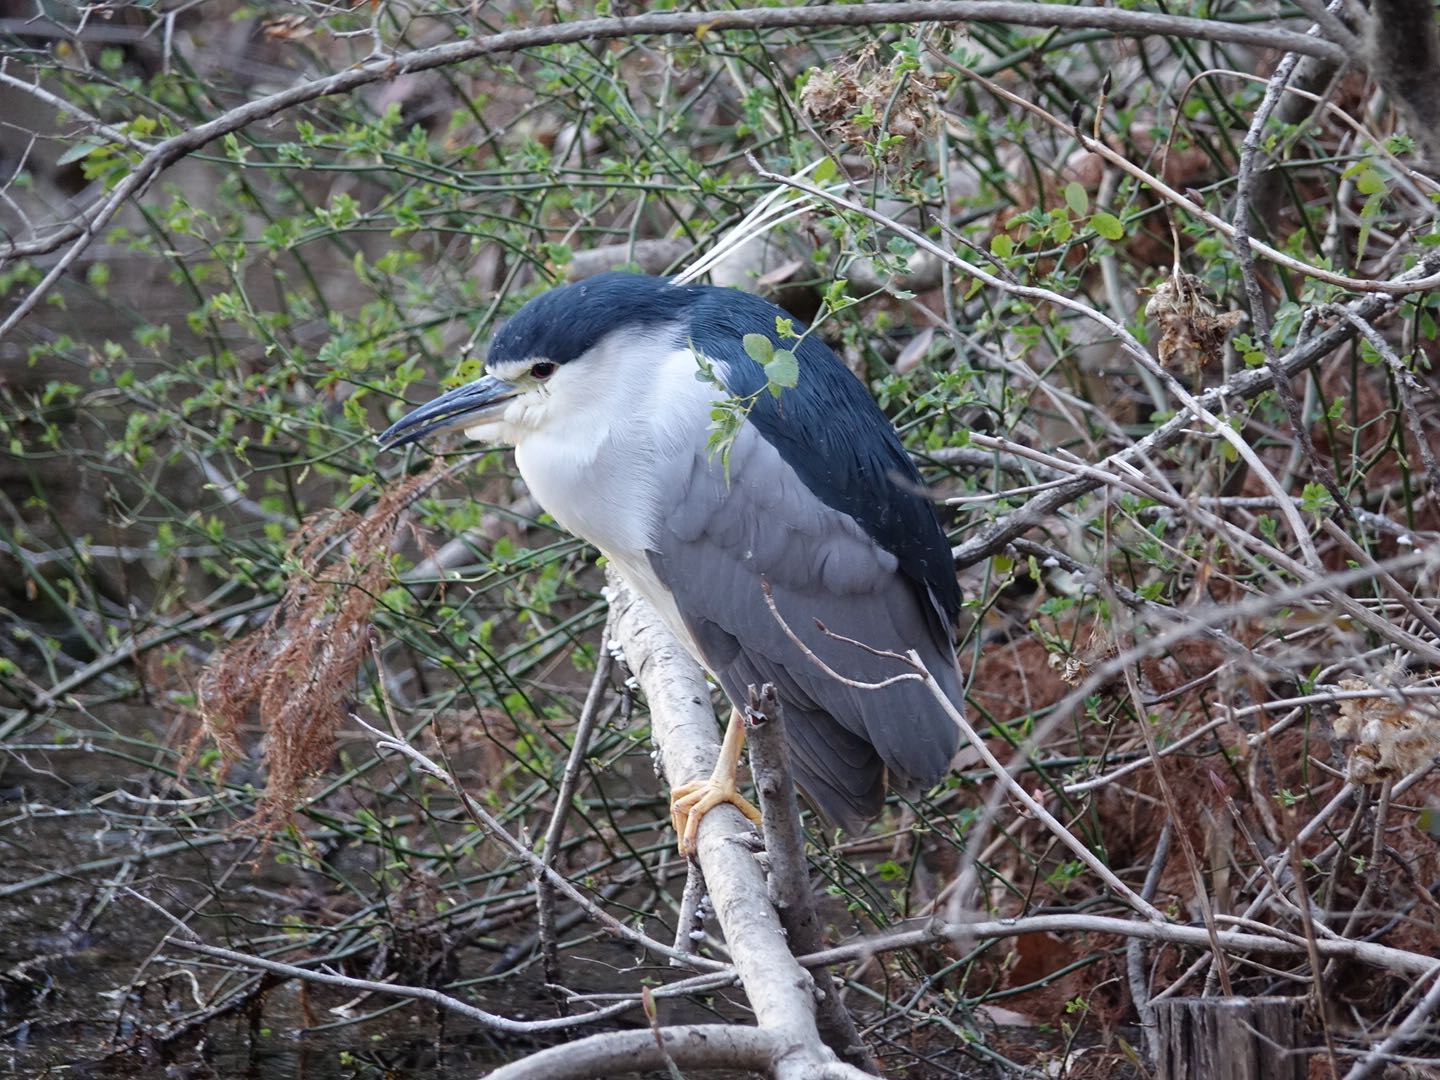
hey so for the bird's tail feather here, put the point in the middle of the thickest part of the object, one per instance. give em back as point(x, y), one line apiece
point(839, 773)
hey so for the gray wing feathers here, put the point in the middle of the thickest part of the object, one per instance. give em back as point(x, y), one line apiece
point(720, 539)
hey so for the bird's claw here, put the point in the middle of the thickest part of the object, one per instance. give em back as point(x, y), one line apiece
point(691, 802)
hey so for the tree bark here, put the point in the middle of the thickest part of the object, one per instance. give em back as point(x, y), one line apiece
point(1231, 1038)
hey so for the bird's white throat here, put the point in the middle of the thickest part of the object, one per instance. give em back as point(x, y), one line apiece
point(592, 440)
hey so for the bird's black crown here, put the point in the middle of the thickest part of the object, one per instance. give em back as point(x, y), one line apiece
point(565, 323)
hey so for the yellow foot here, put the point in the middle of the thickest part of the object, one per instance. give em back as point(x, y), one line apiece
point(691, 802)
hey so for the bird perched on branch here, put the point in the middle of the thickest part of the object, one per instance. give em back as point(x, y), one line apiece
point(607, 389)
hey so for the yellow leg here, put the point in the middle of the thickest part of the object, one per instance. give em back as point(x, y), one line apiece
point(691, 802)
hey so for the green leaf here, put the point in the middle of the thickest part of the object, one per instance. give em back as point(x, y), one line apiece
point(758, 347)
point(826, 171)
point(1429, 821)
point(1076, 199)
point(1107, 225)
point(783, 370)
point(1370, 182)
point(83, 148)
point(1002, 245)
point(890, 870)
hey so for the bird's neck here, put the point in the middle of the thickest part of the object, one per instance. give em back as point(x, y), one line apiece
point(597, 471)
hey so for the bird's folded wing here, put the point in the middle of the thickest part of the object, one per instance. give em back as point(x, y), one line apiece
point(726, 535)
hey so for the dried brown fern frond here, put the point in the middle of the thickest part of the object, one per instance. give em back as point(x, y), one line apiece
point(298, 669)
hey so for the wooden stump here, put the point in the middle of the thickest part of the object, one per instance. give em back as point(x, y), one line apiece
point(1235, 1038)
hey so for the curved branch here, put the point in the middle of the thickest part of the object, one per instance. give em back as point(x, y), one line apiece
point(693, 1046)
point(1277, 942)
point(166, 153)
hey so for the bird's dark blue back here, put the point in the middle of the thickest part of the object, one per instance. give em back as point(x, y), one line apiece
point(830, 431)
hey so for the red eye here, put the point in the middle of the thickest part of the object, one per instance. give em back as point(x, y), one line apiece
point(542, 370)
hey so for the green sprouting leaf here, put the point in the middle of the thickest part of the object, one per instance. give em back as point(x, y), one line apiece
point(1315, 499)
point(1107, 225)
point(758, 347)
point(1400, 145)
point(826, 171)
point(1429, 821)
point(1076, 199)
point(890, 870)
point(1002, 245)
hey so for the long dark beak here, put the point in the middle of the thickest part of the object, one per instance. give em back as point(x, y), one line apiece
point(465, 406)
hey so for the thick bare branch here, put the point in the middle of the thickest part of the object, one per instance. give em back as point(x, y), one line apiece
point(1403, 52)
point(697, 1046)
point(790, 889)
point(780, 991)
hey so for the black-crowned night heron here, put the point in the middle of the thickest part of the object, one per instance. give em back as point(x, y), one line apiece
point(595, 385)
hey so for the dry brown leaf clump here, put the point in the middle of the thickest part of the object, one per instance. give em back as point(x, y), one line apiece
point(861, 101)
point(1393, 736)
point(287, 28)
point(1192, 329)
point(297, 671)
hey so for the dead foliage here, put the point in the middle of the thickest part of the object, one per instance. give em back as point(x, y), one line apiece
point(1243, 796)
point(295, 674)
point(1192, 330)
point(858, 98)
point(1393, 733)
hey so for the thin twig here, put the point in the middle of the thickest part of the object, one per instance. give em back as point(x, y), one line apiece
point(1404, 382)
point(544, 889)
point(1398, 286)
point(1135, 972)
point(1255, 295)
point(1383, 957)
point(690, 921)
point(999, 771)
point(1413, 1025)
point(497, 831)
point(186, 938)
point(1179, 821)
